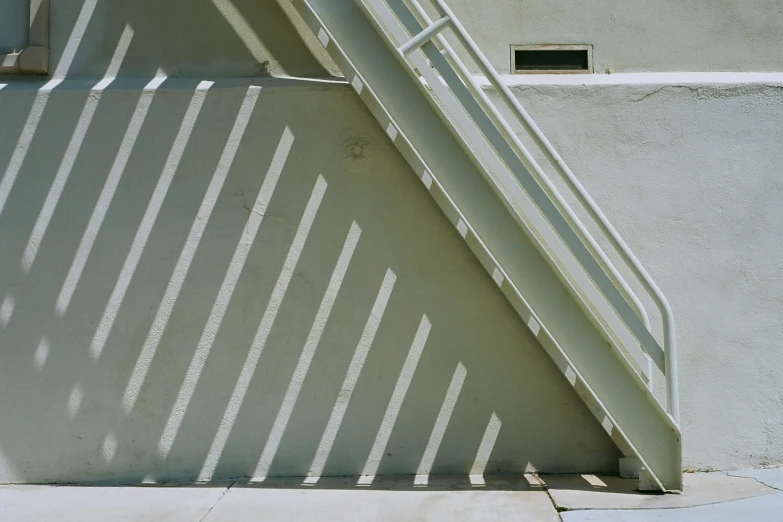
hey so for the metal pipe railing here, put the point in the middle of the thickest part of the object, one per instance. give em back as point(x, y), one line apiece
point(670, 345)
point(531, 164)
point(427, 34)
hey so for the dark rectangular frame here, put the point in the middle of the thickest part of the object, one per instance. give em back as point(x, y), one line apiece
point(588, 48)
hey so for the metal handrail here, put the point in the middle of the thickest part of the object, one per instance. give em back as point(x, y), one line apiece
point(450, 20)
point(531, 164)
point(625, 290)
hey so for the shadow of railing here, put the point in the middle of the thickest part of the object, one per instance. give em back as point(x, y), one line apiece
point(241, 279)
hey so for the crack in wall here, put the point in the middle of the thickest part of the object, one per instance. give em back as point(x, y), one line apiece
point(713, 92)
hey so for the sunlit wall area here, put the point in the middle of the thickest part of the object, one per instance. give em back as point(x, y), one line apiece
point(651, 36)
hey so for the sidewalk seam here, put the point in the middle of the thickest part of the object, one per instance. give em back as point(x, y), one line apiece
point(216, 502)
point(754, 478)
point(552, 500)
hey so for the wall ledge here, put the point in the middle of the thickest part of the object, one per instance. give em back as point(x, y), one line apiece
point(641, 78)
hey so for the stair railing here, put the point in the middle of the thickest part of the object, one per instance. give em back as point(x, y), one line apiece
point(432, 32)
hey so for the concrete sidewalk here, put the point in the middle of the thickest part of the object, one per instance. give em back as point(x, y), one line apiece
point(723, 497)
point(752, 495)
point(332, 499)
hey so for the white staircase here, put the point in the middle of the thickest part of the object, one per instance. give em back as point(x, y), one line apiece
point(512, 216)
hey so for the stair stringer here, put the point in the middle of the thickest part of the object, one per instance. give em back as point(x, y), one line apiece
point(477, 208)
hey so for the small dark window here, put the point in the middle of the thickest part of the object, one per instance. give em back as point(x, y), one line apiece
point(540, 59)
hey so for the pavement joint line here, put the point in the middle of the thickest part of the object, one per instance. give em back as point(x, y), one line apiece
point(216, 502)
point(665, 508)
point(662, 508)
point(545, 487)
point(728, 473)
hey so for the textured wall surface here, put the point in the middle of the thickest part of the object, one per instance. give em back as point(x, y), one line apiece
point(252, 37)
point(89, 325)
point(217, 38)
point(692, 177)
point(656, 35)
point(162, 320)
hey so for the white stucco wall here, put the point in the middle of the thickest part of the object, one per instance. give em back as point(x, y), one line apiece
point(655, 35)
point(688, 174)
point(62, 406)
point(228, 38)
point(249, 37)
point(691, 177)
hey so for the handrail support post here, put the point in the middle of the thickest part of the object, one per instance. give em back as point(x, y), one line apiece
point(423, 37)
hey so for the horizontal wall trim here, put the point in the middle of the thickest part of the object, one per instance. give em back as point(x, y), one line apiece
point(182, 83)
point(644, 78)
point(619, 79)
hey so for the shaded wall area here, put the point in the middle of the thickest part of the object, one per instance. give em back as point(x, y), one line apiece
point(226, 281)
point(14, 23)
point(184, 38)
